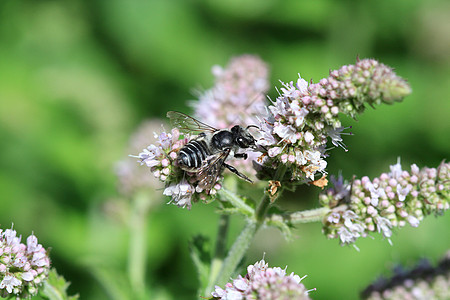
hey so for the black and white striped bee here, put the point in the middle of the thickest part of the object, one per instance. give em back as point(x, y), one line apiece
point(205, 154)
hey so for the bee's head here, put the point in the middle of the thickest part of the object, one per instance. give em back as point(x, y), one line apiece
point(242, 137)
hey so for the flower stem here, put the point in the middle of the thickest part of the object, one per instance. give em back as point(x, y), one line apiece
point(137, 247)
point(235, 254)
point(263, 206)
point(245, 238)
point(236, 201)
point(219, 254)
point(307, 216)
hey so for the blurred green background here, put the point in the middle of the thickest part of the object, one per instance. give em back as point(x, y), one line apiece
point(78, 77)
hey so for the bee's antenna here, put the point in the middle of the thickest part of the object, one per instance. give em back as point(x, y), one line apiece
point(254, 126)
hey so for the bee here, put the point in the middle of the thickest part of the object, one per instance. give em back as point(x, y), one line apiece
point(205, 155)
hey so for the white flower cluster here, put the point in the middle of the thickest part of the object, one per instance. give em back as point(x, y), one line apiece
point(131, 177)
point(161, 158)
point(262, 282)
point(392, 200)
point(423, 281)
point(238, 94)
point(305, 116)
point(295, 133)
point(23, 268)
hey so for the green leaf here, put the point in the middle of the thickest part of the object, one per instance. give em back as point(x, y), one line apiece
point(200, 250)
point(241, 203)
point(55, 288)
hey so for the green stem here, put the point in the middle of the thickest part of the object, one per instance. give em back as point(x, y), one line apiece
point(235, 254)
point(224, 222)
point(262, 209)
point(219, 254)
point(137, 247)
point(307, 216)
point(263, 206)
point(236, 201)
point(245, 238)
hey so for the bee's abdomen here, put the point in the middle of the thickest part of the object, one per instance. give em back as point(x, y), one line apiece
point(193, 154)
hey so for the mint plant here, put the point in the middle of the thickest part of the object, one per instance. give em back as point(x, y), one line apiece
point(295, 134)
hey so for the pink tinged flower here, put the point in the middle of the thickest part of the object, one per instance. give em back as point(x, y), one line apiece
point(334, 218)
point(289, 90)
point(181, 193)
point(32, 244)
point(384, 226)
point(302, 85)
point(415, 169)
point(150, 156)
point(9, 282)
point(20, 261)
point(349, 218)
point(402, 192)
point(371, 210)
point(285, 132)
point(300, 158)
point(165, 162)
point(390, 209)
point(218, 292)
point(365, 182)
point(413, 221)
point(392, 182)
point(266, 138)
point(237, 94)
point(11, 238)
point(233, 295)
point(164, 139)
point(403, 214)
point(274, 151)
point(240, 284)
point(335, 135)
point(262, 282)
point(391, 195)
point(256, 268)
point(309, 137)
point(28, 276)
point(340, 189)
point(173, 155)
point(396, 170)
point(40, 259)
point(280, 107)
point(299, 112)
point(6, 259)
point(346, 236)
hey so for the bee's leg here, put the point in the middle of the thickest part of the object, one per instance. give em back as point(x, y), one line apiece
point(233, 169)
point(241, 155)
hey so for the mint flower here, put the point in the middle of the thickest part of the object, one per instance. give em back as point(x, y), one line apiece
point(262, 282)
point(305, 116)
point(391, 200)
point(132, 178)
point(367, 82)
point(23, 268)
point(238, 94)
point(421, 282)
point(161, 158)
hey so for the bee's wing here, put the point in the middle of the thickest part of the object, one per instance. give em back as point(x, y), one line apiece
point(188, 124)
point(210, 170)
